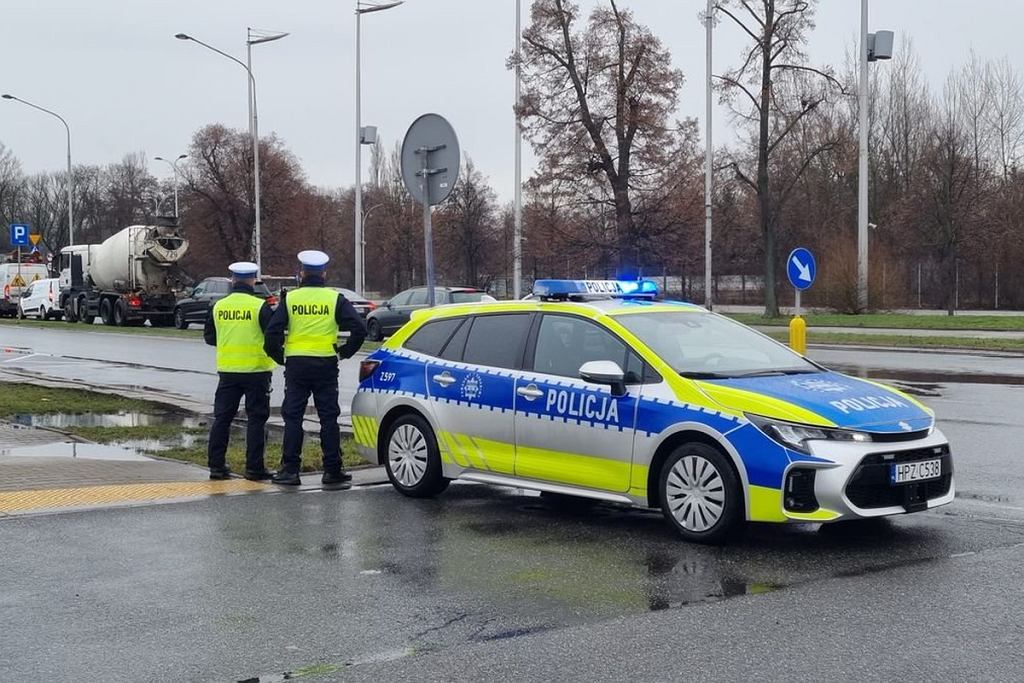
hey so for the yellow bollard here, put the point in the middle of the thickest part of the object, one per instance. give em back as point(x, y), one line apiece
point(798, 335)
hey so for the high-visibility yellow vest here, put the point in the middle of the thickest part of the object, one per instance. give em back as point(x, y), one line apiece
point(312, 329)
point(239, 336)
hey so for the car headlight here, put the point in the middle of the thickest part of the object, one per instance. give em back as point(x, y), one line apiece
point(795, 436)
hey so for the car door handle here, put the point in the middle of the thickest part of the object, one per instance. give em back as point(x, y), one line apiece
point(530, 392)
point(444, 379)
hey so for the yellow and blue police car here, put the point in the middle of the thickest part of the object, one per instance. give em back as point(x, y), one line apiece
point(596, 389)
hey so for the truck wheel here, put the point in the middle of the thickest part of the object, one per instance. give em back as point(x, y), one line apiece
point(69, 312)
point(179, 319)
point(107, 312)
point(83, 311)
point(120, 313)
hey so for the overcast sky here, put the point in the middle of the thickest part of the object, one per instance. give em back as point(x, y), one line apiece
point(115, 71)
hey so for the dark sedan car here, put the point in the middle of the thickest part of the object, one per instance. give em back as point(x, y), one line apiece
point(392, 314)
point(362, 305)
point(196, 307)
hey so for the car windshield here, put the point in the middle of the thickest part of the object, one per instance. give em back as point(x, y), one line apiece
point(709, 346)
point(467, 297)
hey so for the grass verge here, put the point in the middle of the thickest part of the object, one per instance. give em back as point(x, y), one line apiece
point(906, 341)
point(893, 320)
point(311, 456)
point(21, 399)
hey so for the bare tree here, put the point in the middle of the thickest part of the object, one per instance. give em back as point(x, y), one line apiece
point(597, 108)
point(773, 92)
point(467, 229)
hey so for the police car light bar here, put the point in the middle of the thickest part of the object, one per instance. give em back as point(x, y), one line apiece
point(620, 289)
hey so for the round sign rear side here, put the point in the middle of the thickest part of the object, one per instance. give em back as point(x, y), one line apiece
point(430, 146)
point(801, 268)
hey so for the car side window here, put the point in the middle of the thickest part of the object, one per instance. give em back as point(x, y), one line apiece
point(564, 343)
point(28, 292)
point(497, 340)
point(639, 372)
point(418, 298)
point(457, 344)
point(199, 290)
point(401, 299)
point(433, 336)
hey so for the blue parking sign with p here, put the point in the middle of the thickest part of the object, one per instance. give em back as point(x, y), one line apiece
point(19, 235)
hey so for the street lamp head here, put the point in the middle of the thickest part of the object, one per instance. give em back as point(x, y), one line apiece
point(8, 97)
point(182, 36)
point(369, 7)
point(159, 159)
point(182, 156)
point(266, 36)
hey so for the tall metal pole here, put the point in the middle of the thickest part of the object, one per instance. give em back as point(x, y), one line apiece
point(862, 175)
point(254, 129)
point(71, 180)
point(708, 161)
point(428, 237)
point(517, 240)
point(359, 277)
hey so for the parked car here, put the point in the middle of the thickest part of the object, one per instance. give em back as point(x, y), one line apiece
point(196, 306)
point(392, 314)
point(362, 305)
point(41, 299)
point(14, 280)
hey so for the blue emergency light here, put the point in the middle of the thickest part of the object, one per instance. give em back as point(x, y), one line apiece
point(576, 289)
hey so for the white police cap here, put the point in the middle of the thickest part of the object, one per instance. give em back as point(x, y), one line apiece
point(244, 269)
point(312, 259)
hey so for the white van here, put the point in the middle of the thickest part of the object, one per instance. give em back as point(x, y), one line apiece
point(14, 279)
point(41, 299)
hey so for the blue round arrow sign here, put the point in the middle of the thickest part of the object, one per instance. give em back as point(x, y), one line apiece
point(801, 268)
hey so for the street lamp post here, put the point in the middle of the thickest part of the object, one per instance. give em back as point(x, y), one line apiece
point(71, 181)
point(174, 165)
point(708, 160)
point(253, 37)
point(361, 9)
point(517, 239)
point(873, 46)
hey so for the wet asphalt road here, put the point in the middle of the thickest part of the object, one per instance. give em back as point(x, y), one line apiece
point(495, 584)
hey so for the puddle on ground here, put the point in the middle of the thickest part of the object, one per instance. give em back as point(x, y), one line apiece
point(85, 451)
point(122, 419)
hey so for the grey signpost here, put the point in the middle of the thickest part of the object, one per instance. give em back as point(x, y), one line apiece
point(430, 169)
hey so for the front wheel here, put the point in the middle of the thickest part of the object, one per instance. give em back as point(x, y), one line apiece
point(179, 319)
point(373, 331)
point(21, 313)
point(412, 460)
point(700, 494)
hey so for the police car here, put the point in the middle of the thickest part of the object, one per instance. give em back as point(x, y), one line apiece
point(595, 389)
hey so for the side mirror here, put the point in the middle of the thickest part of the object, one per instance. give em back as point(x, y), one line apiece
point(387, 305)
point(604, 372)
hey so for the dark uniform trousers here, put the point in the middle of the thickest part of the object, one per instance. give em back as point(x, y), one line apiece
point(305, 376)
point(255, 387)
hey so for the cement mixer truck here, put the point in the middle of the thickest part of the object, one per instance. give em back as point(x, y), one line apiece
point(129, 278)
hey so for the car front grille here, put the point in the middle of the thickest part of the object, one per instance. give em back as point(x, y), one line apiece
point(869, 487)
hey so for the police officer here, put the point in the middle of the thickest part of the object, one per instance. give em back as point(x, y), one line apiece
point(235, 326)
point(312, 316)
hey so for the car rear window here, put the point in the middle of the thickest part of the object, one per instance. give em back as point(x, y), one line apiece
point(497, 340)
point(467, 297)
point(432, 337)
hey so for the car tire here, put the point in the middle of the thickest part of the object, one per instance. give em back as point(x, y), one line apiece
point(107, 312)
point(41, 314)
point(21, 313)
point(701, 495)
point(373, 331)
point(179, 319)
point(412, 458)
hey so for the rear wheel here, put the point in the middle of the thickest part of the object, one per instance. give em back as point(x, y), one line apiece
point(107, 312)
point(120, 313)
point(700, 494)
point(69, 312)
point(412, 460)
point(179, 319)
point(42, 313)
point(373, 331)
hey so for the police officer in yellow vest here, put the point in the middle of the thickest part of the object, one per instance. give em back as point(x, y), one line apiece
point(312, 315)
point(235, 326)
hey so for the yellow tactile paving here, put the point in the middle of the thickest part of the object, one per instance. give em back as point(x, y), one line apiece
point(89, 496)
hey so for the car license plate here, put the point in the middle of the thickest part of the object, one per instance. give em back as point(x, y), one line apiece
point(906, 472)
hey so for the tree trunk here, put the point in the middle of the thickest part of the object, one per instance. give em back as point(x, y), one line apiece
point(624, 231)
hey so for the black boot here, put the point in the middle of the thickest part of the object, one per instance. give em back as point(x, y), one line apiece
point(287, 478)
point(258, 475)
point(220, 473)
point(333, 481)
